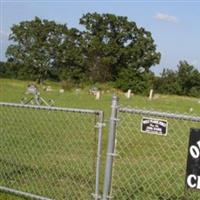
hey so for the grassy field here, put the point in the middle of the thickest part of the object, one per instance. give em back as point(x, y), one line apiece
point(13, 91)
point(48, 160)
point(49, 153)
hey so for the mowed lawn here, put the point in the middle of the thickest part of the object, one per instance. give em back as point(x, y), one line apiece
point(13, 91)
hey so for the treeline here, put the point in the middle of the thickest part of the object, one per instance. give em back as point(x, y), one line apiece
point(185, 80)
point(105, 48)
point(108, 48)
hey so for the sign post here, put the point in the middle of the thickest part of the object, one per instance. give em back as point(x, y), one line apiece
point(193, 161)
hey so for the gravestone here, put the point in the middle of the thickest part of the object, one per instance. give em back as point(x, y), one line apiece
point(128, 94)
point(151, 94)
point(98, 95)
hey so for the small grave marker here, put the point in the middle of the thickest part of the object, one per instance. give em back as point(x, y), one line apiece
point(151, 94)
point(48, 89)
point(61, 91)
point(97, 95)
point(128, 94)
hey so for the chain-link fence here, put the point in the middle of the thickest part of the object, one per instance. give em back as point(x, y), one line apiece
point(149, 166)
point(50, 152)
point(54, 153)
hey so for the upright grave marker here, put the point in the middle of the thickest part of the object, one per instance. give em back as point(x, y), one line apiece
point(97, 95)
point(128, 94)
point(151, 94)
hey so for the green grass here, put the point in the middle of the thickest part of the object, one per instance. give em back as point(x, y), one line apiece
point(45, 136)
point(10, 197)
point(48, 153)
point(151, 166)
point(14, 90)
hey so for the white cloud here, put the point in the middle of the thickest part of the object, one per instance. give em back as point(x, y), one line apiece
point(166, 17)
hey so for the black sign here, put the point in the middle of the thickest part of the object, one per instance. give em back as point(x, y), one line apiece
point(193, 161)
point(154, 126)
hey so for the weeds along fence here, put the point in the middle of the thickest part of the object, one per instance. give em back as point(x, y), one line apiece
point(146, 166)
point(50, 152)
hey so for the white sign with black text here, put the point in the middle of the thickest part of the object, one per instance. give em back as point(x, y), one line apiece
point(154, 126)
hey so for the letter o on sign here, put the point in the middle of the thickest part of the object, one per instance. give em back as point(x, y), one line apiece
point(194, 151)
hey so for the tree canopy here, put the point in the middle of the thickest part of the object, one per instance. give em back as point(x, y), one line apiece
point(107, 48)
point(107, 45)
point(183, 81)
point(112, 43)
point(42, 47)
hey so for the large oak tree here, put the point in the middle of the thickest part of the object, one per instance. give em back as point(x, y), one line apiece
point(113, 43)
point(45, 49)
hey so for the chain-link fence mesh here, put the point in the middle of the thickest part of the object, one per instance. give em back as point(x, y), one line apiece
point(48, 152)
point(55, 153)
point(151, 167)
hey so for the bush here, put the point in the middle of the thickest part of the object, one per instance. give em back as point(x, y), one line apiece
point(195, 92)
point(139, 83)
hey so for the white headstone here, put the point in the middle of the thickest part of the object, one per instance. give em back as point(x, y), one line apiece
point(151, 94)
point(98, 95)
point(191, 109)
point(48, 89)
point(78, 90)
point(61, 90)
point(129, 94)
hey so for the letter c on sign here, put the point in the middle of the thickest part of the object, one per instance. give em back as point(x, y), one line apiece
point(189, 181)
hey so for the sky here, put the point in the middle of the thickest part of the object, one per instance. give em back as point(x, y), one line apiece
point(174, 24)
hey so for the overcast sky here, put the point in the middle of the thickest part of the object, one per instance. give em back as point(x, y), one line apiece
point(175, 25)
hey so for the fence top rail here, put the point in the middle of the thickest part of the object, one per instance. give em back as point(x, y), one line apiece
point(38, 107)
point(160, 114)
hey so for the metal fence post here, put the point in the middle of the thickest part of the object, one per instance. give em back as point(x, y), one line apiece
point(100, 126)
point(110, 149)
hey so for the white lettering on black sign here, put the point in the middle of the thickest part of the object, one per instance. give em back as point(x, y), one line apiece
point(193, 160)
point(154, 126)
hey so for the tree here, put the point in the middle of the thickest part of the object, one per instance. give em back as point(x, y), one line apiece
point(2, 69)
point(8, 70)
point(35, 46)
point(184, 81)
point(70, 60)
point(107, 47)
point(112, 43)
point(139, 83)
point(168, 82)
point(189, 79)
